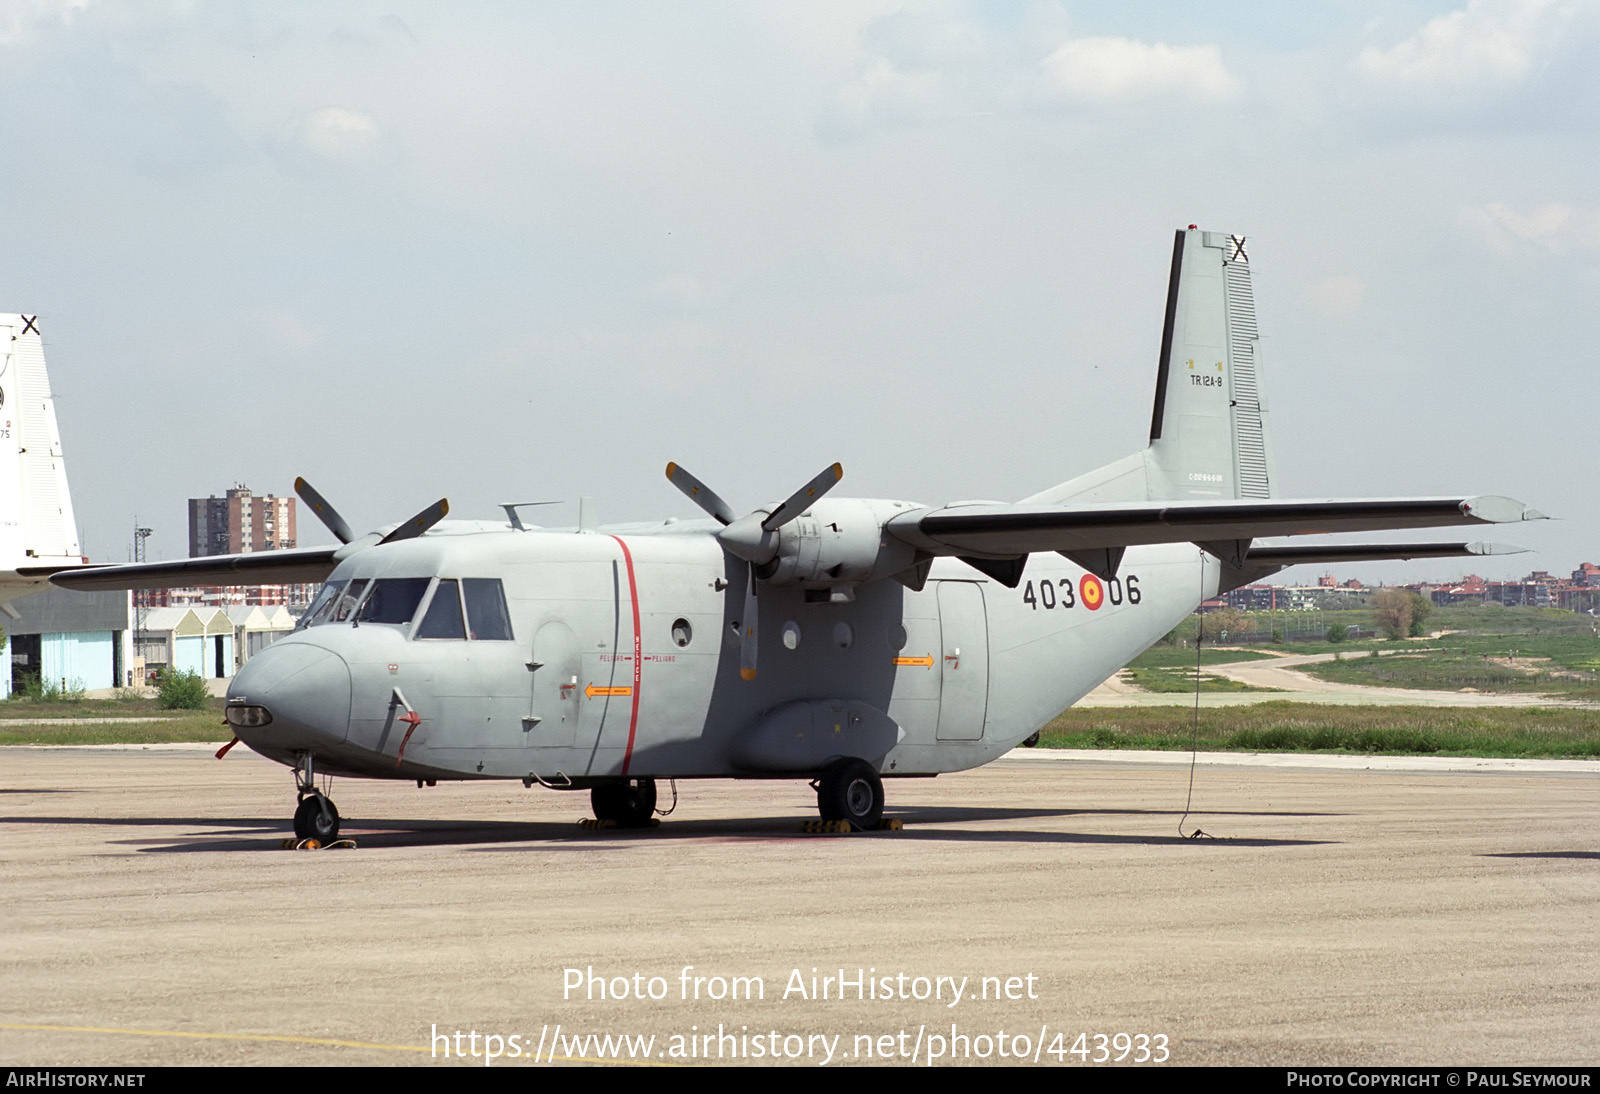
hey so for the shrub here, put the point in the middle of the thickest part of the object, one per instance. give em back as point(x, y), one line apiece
point(181, 691)
point(1338, 632)
point(37, 690)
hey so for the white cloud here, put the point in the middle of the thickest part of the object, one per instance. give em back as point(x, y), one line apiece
point(1337, 295)
point(1553, 226)
point(1489, 42)
point(685, 290)
point(1123, 70)
point(285, 328)
point(927, 66)
point(338, 134)
point(19, 18)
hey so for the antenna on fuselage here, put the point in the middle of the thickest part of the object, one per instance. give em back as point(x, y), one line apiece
point(511, 508)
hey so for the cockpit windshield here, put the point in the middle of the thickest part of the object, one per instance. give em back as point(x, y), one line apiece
point(460, 609)
point(393, 600)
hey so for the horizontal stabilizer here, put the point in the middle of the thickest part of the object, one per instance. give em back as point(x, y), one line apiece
point(257, 568)
point(1005, 531)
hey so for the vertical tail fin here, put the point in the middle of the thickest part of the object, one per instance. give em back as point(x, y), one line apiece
point(37, 527)
point(1207, 430)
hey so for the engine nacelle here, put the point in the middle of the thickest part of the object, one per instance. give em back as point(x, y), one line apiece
point(839, 541)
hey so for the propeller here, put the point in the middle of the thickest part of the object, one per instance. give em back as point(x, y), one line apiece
point(409, 529)
point(752, 538)
point(326, 513)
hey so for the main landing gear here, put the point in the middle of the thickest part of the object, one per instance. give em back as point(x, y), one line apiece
point(850, 790)
point(315, 817)
point(627, 804)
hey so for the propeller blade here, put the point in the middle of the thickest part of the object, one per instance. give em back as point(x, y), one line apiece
point(325, 512)
point(749, 627)
point(802, 499)
point(420, 523)
point(699, 493)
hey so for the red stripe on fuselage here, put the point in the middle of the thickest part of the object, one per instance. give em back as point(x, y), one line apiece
point(638, 652)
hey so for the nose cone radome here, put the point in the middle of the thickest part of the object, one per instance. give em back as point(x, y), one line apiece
point(305, 687)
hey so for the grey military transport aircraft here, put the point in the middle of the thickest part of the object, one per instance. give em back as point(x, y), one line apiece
point(845, 641)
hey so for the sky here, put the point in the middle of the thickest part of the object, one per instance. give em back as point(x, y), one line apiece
point(515, 252)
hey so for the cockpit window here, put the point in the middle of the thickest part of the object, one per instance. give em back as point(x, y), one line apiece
point(319, 607)
point(393, 600)
point(486, 608)
point(443, 618)
point(346, 604)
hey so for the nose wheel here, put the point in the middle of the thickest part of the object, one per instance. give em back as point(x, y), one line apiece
point(628, 804)
point(315, 817)
point(851, 791)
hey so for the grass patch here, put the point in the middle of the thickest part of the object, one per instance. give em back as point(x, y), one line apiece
point(108, 721)
point(1179, 657)
point(1565, 665)
point(1171, 669)
point(130, 704)
point(1314, 727)
point(1178, 681)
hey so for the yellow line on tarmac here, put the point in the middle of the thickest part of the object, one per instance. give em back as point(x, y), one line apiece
point(283, 1037)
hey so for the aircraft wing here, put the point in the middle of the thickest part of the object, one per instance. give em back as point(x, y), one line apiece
point(998, 531)
point(258, 568)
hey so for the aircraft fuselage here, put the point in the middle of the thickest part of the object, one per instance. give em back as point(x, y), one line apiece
point(621, 659)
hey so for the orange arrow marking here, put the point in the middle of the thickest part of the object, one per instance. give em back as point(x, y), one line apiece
point(925, 662)
point(591, 691)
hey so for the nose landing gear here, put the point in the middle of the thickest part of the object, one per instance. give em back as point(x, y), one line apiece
point(315, 817)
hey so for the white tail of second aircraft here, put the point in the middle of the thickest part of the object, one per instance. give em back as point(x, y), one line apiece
point(1208, 437)
point(37, 528)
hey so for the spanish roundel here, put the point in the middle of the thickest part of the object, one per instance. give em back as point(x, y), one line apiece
point(1091, 592)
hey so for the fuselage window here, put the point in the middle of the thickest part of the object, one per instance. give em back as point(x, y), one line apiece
point(393, 600)
point(346, 604)
point(319, 607)
point(443, 618)
point(487, 617)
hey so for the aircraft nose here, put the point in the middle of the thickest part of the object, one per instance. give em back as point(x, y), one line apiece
point(305, 688)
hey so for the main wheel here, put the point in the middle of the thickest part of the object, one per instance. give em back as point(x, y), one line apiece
point(628, 804)
point(309, 823)
point(851, 791)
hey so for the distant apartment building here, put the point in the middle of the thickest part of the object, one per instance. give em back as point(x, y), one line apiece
point(239, 522)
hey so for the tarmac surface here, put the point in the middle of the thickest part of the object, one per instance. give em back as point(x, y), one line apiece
point(1336, 912)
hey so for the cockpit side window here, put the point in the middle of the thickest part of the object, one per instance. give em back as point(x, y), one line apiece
point(443, 618)
point(393, 600)
point(486, 608)
point(319, 607)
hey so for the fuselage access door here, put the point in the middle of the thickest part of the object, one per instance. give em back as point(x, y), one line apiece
point(964, 647)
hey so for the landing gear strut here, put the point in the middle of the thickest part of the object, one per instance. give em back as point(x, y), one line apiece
point(315, 817)
point(851, 791)
point(627, 804)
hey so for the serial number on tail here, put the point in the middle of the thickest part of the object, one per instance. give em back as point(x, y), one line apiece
point(1089, 591)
